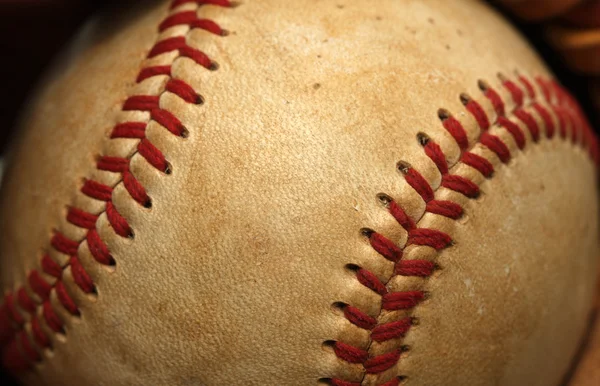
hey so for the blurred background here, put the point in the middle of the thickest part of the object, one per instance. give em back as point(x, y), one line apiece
point(565, 32)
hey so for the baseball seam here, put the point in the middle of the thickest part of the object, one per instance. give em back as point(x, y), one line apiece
point(28, 316)
point(562, 113)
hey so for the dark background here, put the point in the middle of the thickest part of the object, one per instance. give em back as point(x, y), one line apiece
point(32, 32)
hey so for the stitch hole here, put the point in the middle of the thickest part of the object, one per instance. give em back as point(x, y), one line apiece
point(214, 66)
point(338, 307)
point(401, 378)
point(184, 133)
point(384, 199)
point(168, 168)
point(423, 139)
point(200, 100)
point(328, 345)
point(414, 321)
point(148, 203)
point(367, 232)
point(443, 114)
point(224, 32)
point(501, 77)
point(404, 348)
point(403, 167)
point(483, 86)
point(352, 268)
point(464, 99)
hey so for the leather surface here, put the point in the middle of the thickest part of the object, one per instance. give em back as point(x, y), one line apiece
point(231, 274)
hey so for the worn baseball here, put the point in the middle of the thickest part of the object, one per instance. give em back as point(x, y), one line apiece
point(298, 192)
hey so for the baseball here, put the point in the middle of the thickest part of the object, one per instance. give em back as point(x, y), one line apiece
point(271, 192)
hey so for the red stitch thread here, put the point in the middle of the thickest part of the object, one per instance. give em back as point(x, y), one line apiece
point(51, 267)
point(12, 309)
point(38, 334)
point(190, 18)
point(63, 244)
point(28, 349)
point(81, 218)
point(118, 222)
point(420, 268)
point(149, 72)
point(530, 122)
point(169, 121)
point(528, 86)
point(152, 155)
point(429, 237)
point(381, 362)
point(97, 190)
point(81, 277)
point(445, 208)
point(434, 151)
point(457, 131)
point(385, 247)
point(461, 185)
point(496, 145)
point(40, 286)
point(514, 130)
point(496, 101)
point(135, 189)
point(403, 219)
point(392, 330)
point(65, 299)
point(392, 301)
point(25, 300)
point(349, 353)
point(545, 89)
point(51, 318)
point(129, 130)
point(98, 249)
point(371, 281)
point(517, 94)
point(141, 103)
point(479, 114)
point(359, 318)
point(479, 163)
point(184, 91)
point(418, 183)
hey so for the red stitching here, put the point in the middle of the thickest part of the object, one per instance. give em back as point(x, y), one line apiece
point(184, 90)
point(65, 299)
point(514, 130)
point(479, 114)
point(567, 114)
point(135, 130)
point(528, 86)
point(19, 351)
point(530, 122)
point(81, 218)
point(25, 300)
point(455, 129)
point(39, 335)
point(38, 285)
point(51, 267)
point(496, 101)
point(517, 94)
point(479, 163)
point(190, 18)
point(28, 349)
point(150, 72)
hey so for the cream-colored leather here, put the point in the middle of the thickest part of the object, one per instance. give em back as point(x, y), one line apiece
point(231, 275)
